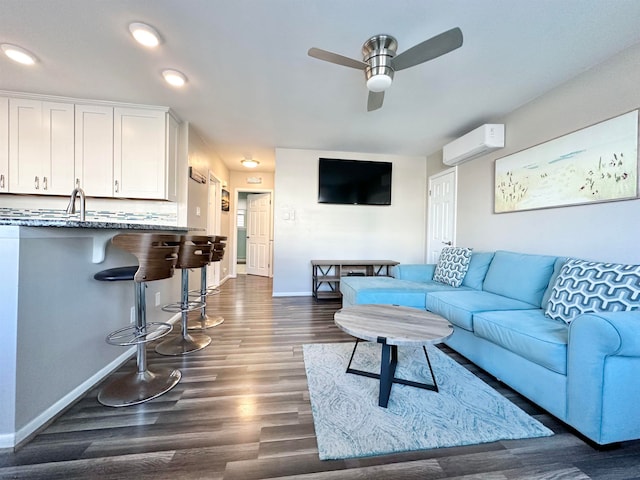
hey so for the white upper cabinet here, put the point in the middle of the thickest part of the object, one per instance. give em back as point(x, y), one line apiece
point(48, 147)
point(140, 157)
point(94, 150)
point(41, 147)
point(4, 144)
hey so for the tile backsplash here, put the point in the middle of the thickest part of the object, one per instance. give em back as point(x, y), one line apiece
point(91, 215)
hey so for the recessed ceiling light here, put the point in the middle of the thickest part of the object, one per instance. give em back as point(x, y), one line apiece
point(18, 54)
point(174, 78)
point(250, 163)
point(145, 34)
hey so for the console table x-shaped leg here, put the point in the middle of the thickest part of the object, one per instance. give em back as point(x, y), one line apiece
point(387, 373)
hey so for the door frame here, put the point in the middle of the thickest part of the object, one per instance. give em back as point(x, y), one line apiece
point(454, 210)
point(234, 226)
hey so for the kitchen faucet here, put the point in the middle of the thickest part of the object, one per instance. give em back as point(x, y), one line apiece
point(71, 208)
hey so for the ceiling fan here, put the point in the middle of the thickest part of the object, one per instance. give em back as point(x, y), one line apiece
point(379, 59)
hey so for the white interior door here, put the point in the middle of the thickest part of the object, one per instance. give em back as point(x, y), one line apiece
point(442, 213)
point(213, 226)
point(259, 234)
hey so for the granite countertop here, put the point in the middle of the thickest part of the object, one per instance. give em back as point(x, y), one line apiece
point(75, 223)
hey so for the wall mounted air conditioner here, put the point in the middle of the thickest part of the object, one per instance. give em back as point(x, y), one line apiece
point(478, 142)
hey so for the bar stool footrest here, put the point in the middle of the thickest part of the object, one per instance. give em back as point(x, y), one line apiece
point(207, 292)
point(179, 307)
point(132, 335)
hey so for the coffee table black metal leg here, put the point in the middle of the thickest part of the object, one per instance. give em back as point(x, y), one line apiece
point(387, 377)
point(387, 371)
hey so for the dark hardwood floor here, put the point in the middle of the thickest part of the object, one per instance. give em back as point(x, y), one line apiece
point(242, 412)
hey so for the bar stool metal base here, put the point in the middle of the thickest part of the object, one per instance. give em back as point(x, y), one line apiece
point(139, 387)
point(202, 323)
point(183, 344)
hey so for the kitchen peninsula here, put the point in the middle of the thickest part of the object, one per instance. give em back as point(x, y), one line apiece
point(55, 316)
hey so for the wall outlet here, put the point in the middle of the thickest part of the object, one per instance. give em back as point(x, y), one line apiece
point(197, 211)
point(133, 315)
point(157, 299)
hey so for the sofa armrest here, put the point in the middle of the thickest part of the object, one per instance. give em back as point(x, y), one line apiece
point(414, 272)
point(603, 367)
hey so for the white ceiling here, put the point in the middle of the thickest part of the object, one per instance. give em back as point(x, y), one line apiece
point(252, 86)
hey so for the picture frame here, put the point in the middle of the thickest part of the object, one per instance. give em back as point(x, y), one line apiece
point(596, 164)
point(225, 200)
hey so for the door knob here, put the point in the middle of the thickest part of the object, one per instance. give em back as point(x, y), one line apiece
point(448, 243)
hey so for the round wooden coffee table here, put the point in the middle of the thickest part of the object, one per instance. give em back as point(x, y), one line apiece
point(391, 326)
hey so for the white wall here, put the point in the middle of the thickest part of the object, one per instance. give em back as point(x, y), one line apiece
point(605, 231)
point(345, 232)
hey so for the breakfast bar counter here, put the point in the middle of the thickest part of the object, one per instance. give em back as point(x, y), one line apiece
point(55, 316)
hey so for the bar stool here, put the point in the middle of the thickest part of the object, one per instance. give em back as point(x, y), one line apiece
point(157, 255)
point(205, 321)
point(195, 252)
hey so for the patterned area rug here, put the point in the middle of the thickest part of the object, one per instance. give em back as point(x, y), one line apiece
point(349, 423)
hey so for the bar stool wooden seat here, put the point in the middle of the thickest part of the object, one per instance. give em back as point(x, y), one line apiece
point(194, 252)
point(157, 255)
point(205, 321)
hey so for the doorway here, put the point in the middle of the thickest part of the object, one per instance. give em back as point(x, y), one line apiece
point(253, 227)
point(442, 198)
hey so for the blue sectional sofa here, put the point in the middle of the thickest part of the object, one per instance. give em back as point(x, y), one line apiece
point(584, 369)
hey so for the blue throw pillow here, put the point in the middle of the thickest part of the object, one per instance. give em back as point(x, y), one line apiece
point(587, 287)
point(452, 265)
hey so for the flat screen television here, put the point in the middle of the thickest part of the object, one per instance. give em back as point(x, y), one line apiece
point(354, 182)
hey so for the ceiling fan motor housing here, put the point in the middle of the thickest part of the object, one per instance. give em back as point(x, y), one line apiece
point(377, 53)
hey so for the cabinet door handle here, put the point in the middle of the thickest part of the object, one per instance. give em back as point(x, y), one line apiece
point(44, 183)
point(2, 181)
point(117, 187)
point(77, 183)
point(37, 183)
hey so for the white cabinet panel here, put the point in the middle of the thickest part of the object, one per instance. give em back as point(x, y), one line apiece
point(41, 147)
point(4, 144)
point(94, 150)
point(139, 153)
point(58, 143)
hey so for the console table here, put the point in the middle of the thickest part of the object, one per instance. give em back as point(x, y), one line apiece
point(327, 273)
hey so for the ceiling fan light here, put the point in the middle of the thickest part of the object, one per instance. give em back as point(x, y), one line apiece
point(174, 78)
point(144, 34)
point(18, 54)
point(379, 83)
point(249, 163)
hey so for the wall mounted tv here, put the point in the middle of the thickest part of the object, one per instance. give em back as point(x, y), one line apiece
point(354, 182)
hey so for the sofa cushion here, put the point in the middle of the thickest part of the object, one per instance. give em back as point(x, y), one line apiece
point(452, 265)
point(415, 272)
point(527, 333)
point(587, 287)
point(520, 276)
point(478, 266)
point(459, 306)
point(387, 290)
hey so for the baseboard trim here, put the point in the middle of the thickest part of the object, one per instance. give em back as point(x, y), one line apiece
point(31, 429)
point(50, 414)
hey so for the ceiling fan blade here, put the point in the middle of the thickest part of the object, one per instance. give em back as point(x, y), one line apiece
point(374, 102)
point(335, 58)
point(429, 49)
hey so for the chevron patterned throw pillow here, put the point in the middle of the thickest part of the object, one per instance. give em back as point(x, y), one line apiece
point(586, 287)
point(452, 265)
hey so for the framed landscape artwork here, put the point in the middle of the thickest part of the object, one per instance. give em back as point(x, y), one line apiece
point(596, 164)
